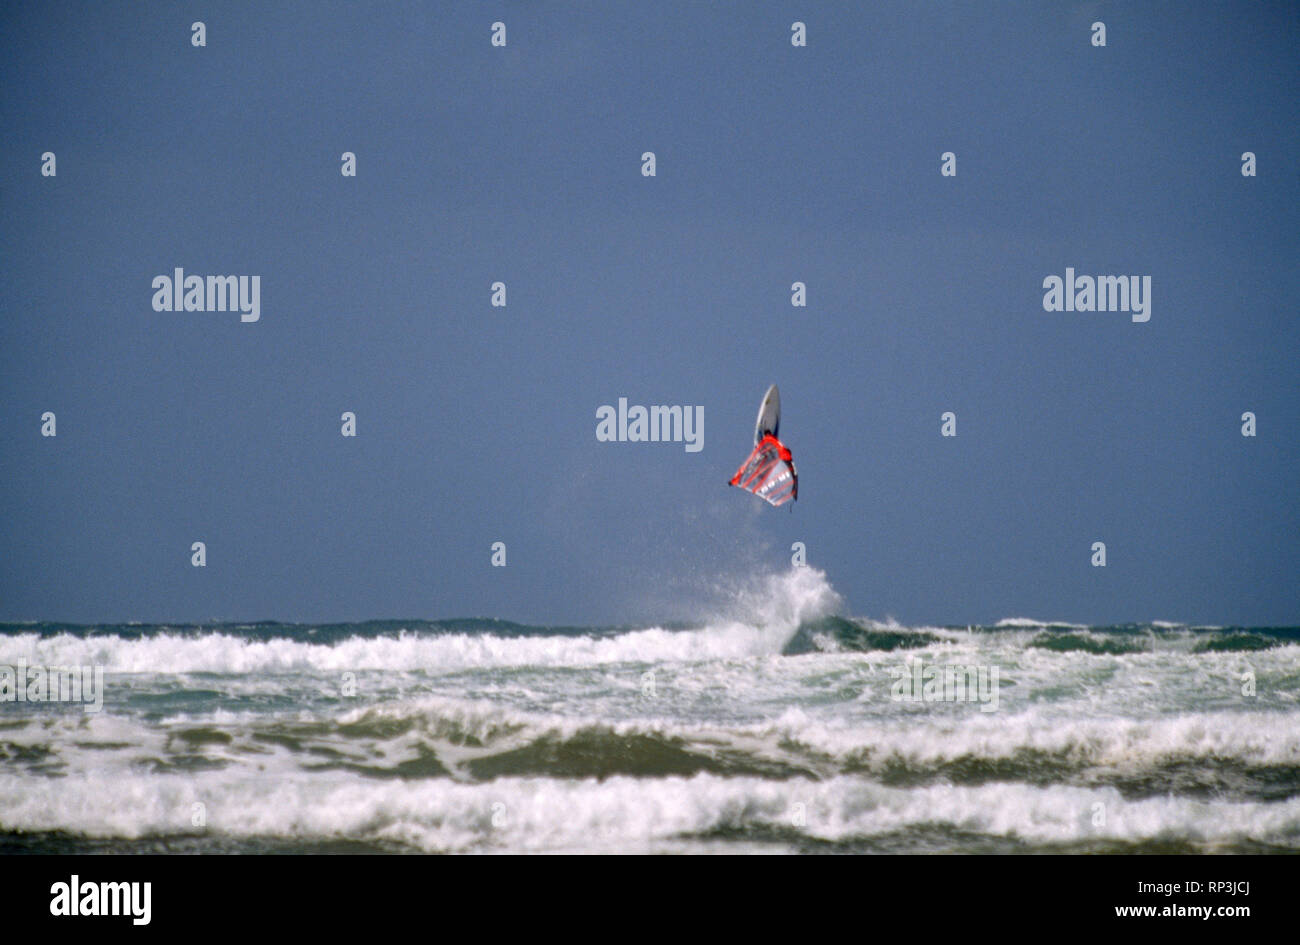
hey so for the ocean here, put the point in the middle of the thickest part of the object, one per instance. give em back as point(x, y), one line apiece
point(777, 725)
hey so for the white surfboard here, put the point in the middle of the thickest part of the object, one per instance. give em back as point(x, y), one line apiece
point(769, 415)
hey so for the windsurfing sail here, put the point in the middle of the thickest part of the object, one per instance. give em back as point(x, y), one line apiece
point(769, 471)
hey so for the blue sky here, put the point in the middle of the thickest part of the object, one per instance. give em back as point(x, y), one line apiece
point(774, 165)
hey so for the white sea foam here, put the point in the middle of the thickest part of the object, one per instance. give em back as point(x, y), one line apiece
point(1013, 623)
point(527, 814)
point(762, 620)
point(827, 743)
point(271, 746)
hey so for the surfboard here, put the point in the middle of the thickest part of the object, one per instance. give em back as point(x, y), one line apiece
point(769, 415)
